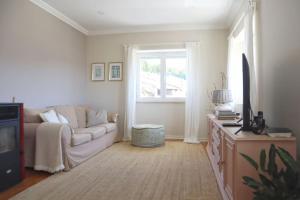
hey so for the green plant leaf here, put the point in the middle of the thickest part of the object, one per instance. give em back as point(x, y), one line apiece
point(251, 182)
point(291, 178)
point(287, 159)
point(263, 160)
point(250, 160)
point(274, 184)
point(272, 166)
point(268, 183)
point(279, 181)
point(281, 172)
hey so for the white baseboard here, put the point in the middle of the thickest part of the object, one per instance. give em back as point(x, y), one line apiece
point(174, 137)
point(201, 140)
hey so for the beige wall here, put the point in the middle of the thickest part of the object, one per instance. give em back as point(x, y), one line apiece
point(171, 115)
point(45, 62)
point(280, 63)
point(109, 95)
point(42, 59)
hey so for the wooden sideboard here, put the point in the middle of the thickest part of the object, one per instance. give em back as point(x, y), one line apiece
point(224, 148)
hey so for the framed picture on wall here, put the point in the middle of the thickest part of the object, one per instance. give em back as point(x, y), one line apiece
point(98, 71)
point(115, 71)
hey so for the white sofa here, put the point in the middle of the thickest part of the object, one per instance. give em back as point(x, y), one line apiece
point(79, 143)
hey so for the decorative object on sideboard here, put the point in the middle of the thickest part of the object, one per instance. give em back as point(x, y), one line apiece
point(227, 115)
point(274, 183)
point(222, 97)
point(98, 72)
point(115, 71)
point(279, 132)
point(258, 125)
point(12, 169)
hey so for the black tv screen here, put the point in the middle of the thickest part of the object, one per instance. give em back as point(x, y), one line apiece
point(246, 96)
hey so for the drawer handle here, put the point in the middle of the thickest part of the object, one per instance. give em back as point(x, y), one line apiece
point(8, 171)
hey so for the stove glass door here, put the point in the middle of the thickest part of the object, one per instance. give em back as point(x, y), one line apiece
point(8, 138)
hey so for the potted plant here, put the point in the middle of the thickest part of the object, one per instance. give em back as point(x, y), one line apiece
point(274, 183)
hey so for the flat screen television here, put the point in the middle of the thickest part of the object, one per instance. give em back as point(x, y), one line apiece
point(247, 112)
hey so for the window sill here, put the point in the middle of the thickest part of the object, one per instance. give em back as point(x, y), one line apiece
point(160, 100)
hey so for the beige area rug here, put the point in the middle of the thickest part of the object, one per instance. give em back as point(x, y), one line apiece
point(176, 171)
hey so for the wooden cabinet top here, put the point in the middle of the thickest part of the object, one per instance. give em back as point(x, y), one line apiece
point(243, 135)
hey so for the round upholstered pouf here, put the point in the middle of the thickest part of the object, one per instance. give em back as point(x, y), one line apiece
point(148, 135)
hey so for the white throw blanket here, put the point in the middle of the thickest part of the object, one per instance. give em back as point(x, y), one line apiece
point(49, 152)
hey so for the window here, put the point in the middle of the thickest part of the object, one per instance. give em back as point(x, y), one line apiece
point(161, 75)
point(235, 78)
point(150, 77)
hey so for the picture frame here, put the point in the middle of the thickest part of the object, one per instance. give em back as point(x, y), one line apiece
point(98, 72)
point(115, 71)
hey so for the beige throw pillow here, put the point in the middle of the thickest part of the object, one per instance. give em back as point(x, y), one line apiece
point(95, 118)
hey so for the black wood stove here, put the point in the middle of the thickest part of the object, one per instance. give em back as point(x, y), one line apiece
point(11, 125)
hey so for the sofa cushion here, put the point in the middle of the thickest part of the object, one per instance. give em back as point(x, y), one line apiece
point(109, 127)
point(95, 132)
point(78, 139)
point(112, 117)
point(94, 118)
point(69, 113)
point(81, 116)
point(32, 115)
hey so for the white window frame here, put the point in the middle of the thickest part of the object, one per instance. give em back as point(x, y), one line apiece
point(162, 55)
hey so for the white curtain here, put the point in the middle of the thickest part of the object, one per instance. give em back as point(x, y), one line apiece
point(230, 70)
point(234, 68)
point(192, 102)
point(250, 46)
point(243, 40)
point(130, 89)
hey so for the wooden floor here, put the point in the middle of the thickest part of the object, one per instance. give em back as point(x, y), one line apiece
point(32, 177)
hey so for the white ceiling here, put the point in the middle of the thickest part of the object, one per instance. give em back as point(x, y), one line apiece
point(116, 16)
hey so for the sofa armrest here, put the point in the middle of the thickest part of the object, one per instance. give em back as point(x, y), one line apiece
point(67, 135)
point(30, 130)
point(67, 131)
point(29, 143)
point(112, 117)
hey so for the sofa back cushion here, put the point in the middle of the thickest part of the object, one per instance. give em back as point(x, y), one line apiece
point(32, 115)
point(69, 113)
point(96, 117)
point(81, 116)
